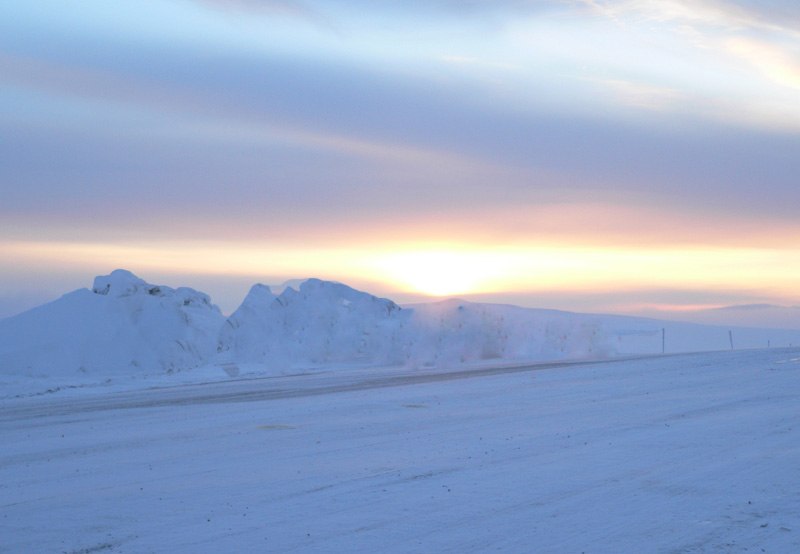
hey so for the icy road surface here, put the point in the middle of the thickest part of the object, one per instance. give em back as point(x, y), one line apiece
point(673, 454)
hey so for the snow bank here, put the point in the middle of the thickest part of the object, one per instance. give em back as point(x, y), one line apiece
point(321, 322)
point(456, 331)
point(330, 322)
point(123, 325)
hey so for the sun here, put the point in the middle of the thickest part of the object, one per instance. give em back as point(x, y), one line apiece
point(441, 273)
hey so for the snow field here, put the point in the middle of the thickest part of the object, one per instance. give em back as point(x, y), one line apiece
point(689, 453)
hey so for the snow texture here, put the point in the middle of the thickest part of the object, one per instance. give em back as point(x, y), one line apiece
point(668, 454)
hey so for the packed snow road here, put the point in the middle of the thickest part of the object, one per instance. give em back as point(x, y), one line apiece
point(266, 388)
point(687, 453)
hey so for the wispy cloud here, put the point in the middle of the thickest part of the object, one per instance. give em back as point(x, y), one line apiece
point(288, 8)
point(640, 94)
point(719, 14)
point(772, 61)
point(735, 40)
point(481, 62)
point(294, 8)
point(207, 119)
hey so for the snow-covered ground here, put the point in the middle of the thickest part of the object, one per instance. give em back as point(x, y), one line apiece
point(127, 333)
point(138, 418)
point(663, 454)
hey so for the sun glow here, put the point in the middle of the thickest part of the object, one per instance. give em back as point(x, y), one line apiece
point(447, 270)
point(442, 273)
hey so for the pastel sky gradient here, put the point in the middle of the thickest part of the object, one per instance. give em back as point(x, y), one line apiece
point(591, 155)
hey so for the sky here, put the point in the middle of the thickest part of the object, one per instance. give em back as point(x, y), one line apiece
point(607, 156)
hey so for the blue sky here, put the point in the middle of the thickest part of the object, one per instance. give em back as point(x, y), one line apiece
point(587, 155)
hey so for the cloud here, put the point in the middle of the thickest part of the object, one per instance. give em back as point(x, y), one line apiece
point(294, 141)
point(717, 14)
point(730, 38)
point(296, 9)
point(480, 62)
point(205, 116)
point(771, 14)
point(772, 61)
point(640, 94)
point(293, 8)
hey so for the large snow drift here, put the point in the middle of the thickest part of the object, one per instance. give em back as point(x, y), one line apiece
point(454, 331)
point(322, 322)
point(331, 322)
point(123, 325)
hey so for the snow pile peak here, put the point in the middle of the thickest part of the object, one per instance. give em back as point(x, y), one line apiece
point(123, 284)
point(119, 283)
point(321, 322)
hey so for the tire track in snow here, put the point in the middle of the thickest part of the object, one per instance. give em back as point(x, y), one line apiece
point(244, 390)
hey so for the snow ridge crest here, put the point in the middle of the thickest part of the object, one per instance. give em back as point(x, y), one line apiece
point(124, 325)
